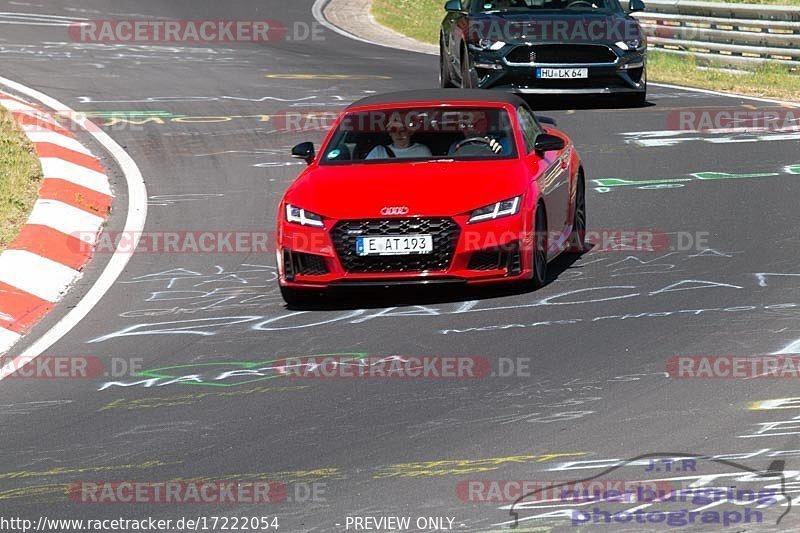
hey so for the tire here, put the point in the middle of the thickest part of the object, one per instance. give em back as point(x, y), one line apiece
point(468, 80)
point(445, 81)
point(539, 265)
point(577, 239)
point(298, 297)
point(638, 99)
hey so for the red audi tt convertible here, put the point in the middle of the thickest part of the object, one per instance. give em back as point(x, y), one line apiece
point(431, 187)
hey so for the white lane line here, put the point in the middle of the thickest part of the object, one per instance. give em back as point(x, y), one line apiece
point(53, 167)
point(791, 349)
point(59, 139)
point(37, 275)
point(134, 225)
point(726, 95)
point(66, 219)
point(8, 339)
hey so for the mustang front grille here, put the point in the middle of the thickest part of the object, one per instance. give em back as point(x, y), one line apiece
point(445, 233)
point(562, 54)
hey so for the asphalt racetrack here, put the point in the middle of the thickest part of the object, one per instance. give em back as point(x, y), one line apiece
point(578, 368)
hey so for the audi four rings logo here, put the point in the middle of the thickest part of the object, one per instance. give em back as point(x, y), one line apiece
point(395, 210)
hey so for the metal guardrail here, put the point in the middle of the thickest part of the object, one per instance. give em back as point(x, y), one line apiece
point(738, 35)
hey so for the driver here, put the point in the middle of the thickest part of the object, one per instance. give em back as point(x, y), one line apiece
point(401, 146)
point(477, 139)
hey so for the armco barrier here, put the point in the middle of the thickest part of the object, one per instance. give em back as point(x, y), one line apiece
point(737, 35)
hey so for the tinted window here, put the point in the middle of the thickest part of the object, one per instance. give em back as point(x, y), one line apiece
point(421, 134)
point(530, 128)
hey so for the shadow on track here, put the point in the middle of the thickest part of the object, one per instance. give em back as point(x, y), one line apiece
point(381, 297)
point(541, 102)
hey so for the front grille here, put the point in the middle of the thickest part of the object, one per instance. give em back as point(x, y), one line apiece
point(562, 54)
point(445, 234)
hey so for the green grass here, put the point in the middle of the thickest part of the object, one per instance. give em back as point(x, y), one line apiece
point(420, 19)
point(20, 174)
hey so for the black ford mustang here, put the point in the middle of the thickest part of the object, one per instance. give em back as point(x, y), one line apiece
point(544, 46)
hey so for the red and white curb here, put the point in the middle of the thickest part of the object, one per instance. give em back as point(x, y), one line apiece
point(46, 258)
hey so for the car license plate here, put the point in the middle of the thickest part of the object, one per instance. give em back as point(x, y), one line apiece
point(394, 245)
point(562, 73)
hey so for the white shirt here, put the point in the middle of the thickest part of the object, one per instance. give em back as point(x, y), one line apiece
point(415, 150)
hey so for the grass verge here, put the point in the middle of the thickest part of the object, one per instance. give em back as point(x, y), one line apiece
point(767, 81)
point(20, 175)
point(420, 19)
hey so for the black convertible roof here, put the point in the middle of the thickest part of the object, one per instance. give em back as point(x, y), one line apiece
point(441, 96)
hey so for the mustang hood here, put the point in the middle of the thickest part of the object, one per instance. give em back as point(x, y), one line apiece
point(584, 28)
point(427, 189)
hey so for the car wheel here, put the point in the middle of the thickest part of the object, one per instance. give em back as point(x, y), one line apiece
point(445, 82)
point(298, 297)
point(540, 248)
point(640, 99)
point(577, 239)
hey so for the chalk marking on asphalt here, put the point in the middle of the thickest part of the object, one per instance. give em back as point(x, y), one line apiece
point(134, 225)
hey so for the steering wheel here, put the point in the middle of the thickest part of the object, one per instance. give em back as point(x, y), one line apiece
point(579, 2)
point(493, 145)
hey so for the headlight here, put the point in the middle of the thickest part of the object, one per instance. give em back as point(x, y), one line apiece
point(488, 44)
point(506, 208)
point(631, 44)
point(303, 217)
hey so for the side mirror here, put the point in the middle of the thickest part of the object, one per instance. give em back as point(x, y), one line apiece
point(546, 120)
point(304, 151)
point(454, 6)
point(548, 143)
point(635, 5)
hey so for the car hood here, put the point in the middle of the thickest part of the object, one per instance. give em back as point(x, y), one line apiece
point(427, 189)
point(556, 27)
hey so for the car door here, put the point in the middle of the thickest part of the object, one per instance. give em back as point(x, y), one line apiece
point(454, 26)
point(551, 174)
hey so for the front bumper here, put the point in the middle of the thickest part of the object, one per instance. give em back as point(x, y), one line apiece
point(486, 252)
point(626, 74)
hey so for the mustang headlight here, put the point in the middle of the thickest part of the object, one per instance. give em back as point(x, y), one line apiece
point(631, 44)
point(506, 208)
point(488, 44)
point(301, 216)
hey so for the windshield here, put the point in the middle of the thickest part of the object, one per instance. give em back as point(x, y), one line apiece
point(549, 6)
point(421, 134)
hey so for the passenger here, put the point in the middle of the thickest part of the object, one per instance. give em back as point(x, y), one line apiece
point(401, 143)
